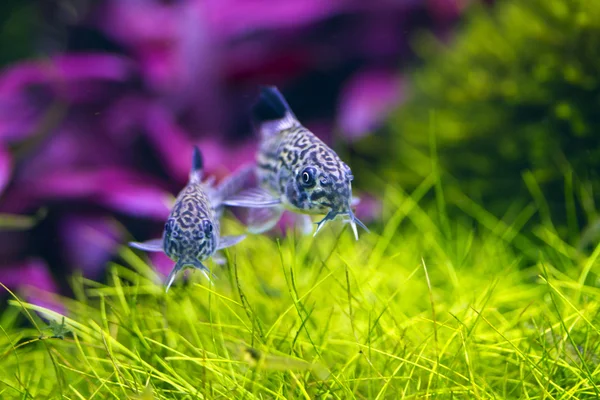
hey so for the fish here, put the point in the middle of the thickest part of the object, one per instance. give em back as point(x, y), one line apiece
point(295, 171)
point(192, 231)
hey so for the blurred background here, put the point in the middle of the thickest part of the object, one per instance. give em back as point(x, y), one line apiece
point(101, 102)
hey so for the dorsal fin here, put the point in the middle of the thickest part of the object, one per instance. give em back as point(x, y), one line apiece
point(272, 113)
point(197, 165)
point(271, 105)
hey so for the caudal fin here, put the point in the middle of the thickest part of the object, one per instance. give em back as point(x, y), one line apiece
point(271, 112)
point(197, 165)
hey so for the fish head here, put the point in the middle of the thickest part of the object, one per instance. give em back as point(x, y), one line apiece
point(324, 188)
point(320, 187)
point(190, 240)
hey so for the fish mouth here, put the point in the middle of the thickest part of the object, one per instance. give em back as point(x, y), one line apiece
point(352, 220)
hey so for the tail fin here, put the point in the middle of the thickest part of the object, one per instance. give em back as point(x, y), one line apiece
point(197, 165)
point(180, 265)
point(272, 113)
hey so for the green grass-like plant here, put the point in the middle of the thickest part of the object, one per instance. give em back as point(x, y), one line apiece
point(431, 307)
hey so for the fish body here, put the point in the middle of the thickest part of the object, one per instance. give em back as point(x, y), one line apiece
point(192, 230)
point(304, 172)
point(295, 170)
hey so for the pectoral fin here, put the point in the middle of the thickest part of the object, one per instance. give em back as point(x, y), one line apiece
point(263, 219)
point(355, 221)
point(180, 265)
point(153, 245)
point(304, 224)
point(320, 225)
point(234, 184)
point(252, 198)
point(218, 258)
point(228, 241)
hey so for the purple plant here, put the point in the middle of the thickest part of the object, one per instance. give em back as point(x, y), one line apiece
point(101, 139)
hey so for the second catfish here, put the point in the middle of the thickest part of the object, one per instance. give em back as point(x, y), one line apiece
point(192, 231)
point(295, 171)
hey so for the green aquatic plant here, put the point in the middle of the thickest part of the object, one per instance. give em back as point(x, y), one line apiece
point(434, 309)
point(513, 101)
point(21, 222)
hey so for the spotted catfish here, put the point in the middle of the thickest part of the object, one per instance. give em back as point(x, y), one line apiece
point(295, 171)
point(192, 231)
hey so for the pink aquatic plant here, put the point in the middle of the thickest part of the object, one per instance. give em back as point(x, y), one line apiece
point(99, 132)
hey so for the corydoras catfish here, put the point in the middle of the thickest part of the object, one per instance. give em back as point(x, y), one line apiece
point(192, 231)
point(295, 171)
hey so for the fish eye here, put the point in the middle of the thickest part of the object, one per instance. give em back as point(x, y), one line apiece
point(208, 227)
point(307, 177)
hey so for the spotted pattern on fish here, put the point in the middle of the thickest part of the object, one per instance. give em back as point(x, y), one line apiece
point(191, 233)
point(192, 229)
point(295, 171)
point(285, 158)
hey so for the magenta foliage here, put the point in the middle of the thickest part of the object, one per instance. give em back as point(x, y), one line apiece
point(102, 138)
